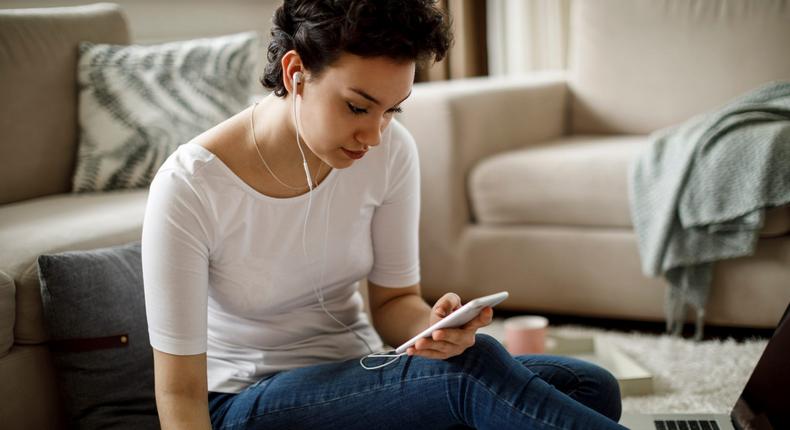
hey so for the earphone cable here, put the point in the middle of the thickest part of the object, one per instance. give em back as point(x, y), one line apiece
point(257, 149)
point(319, 295)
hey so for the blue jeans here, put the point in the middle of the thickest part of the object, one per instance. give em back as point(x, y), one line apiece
point(483, 388)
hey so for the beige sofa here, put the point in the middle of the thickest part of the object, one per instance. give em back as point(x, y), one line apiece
point(38, 57)
point(525, 179)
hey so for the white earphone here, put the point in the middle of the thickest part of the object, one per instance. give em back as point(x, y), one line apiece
point(297, 79)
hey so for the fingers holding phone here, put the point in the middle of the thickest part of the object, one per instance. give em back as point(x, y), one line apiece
point(453, 327)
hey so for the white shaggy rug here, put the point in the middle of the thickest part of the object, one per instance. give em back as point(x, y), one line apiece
point(688, 376)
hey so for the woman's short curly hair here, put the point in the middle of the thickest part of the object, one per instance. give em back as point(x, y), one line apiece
point(321, 30)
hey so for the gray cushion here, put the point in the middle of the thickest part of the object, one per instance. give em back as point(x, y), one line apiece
point(137, 103)
point(94, 309)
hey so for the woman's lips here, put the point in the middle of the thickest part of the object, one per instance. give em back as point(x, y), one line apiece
point(354, 155)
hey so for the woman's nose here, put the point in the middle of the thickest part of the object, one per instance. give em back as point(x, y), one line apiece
point(371, 134)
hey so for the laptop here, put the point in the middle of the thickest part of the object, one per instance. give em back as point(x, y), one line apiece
point(764, 403)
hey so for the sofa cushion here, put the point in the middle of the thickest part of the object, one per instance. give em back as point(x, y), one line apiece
point(137, 103)
point(640, 65)
point(60, 223)
point(579, 180)
point(94, 310)
point(28, 389)
point(38, 108)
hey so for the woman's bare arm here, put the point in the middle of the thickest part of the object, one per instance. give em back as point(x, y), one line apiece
point(181, 391)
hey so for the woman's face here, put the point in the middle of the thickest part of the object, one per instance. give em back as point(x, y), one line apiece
point(350, 105)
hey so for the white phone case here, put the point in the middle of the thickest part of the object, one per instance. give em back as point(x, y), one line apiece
point(461, 316)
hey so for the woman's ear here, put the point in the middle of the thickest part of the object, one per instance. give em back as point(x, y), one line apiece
point(293, 71)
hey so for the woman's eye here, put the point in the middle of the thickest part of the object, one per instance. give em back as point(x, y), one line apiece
point(360, 111)
point(356, 110)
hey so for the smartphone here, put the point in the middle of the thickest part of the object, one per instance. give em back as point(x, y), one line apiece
point(459, 317)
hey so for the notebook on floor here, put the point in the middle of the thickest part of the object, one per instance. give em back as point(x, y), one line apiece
point(764, 403)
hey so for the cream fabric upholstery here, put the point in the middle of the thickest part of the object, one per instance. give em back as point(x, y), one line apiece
point(38, 63)
point(555, 268)
point(578, 180)
point(458, 123)
point(596, 272)
point(524, 180)
point(550, 221)
point(7, 313)
point(639, 65)
point(29, 390)
point(63, 221)
point(38, 119)
point(59, 223)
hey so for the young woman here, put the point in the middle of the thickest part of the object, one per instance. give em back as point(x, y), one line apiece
point(257, 231)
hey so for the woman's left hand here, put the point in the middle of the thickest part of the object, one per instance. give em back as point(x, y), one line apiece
point(449, 342)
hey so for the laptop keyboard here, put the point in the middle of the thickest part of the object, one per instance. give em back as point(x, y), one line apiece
point(686, 425)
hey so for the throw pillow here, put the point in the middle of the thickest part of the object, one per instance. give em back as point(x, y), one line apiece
point(94, 309)
point(137, 103)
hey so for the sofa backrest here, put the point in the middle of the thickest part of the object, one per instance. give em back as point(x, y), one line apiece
point(640, 65)
point(38, 106)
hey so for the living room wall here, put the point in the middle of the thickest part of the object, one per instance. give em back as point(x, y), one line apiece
point(154, 21)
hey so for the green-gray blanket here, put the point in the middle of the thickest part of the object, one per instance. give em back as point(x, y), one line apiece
point(698, 193)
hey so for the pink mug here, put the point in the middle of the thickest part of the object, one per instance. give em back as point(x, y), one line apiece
point(526, 334)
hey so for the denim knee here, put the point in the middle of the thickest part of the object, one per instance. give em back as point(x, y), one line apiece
point(598, 387)
point(491, 346)
point(485, 348)
point(487, 343)
point(483, 339)
point(605, 395)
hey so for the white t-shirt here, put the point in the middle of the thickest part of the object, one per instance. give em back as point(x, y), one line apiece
point(225, 271)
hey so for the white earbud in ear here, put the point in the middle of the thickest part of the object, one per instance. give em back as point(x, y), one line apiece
point(297, 79)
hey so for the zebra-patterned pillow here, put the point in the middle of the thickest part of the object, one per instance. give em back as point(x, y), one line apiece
point(137, 103)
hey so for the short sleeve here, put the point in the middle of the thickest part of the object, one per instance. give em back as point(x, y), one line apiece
point(395, 224)
point(175, 257)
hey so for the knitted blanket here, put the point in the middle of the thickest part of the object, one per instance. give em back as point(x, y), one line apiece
point(698, 193)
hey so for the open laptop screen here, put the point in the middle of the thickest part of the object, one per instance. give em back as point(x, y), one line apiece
point(765, 402)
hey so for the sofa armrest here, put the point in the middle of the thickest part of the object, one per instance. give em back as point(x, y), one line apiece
point(456, 124)
point(7, 313)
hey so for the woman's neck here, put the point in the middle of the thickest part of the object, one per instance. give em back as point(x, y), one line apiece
point(275, 135)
